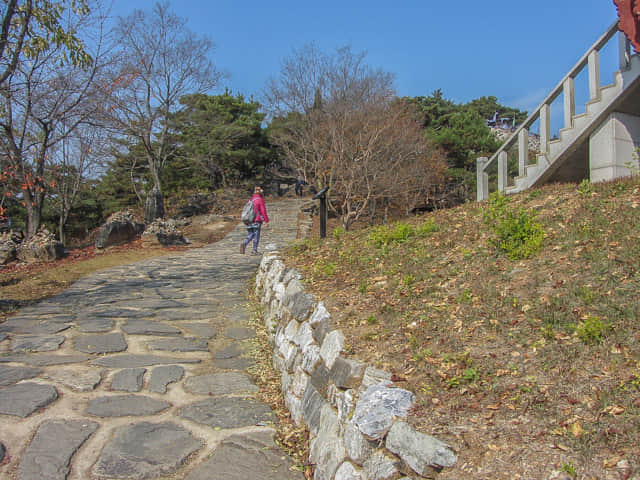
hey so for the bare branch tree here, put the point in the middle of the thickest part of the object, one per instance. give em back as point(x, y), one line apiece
point(78, 157)
point(45, 99)
point(160, 60)
point(354, 136)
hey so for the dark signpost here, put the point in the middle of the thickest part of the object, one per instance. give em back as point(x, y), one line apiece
point(322, 196)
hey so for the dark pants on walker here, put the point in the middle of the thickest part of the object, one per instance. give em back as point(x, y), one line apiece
point(253, 233)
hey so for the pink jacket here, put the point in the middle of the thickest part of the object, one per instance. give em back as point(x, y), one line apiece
point(260, 209)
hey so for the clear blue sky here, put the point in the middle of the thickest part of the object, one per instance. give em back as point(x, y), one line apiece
point(515, 50)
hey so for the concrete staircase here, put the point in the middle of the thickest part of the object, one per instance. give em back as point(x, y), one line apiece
point(598, 144)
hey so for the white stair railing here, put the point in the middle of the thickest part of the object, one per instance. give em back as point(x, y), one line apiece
point(520, 137)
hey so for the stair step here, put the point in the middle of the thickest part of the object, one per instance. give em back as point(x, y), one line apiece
point(555, 147)
point(581, 121)
point(609, 92)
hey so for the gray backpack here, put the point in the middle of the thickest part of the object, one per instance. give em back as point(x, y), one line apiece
point(248, 214)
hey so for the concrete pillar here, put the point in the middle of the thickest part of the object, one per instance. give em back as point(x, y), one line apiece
point(482, 180)
point(594, 75)
point(613, 148)
point(545, 128)
point(523, 152)
point(569, 94)
point(502, 171)
point(624, 51)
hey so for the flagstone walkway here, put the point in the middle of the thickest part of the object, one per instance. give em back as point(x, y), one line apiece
point(139, 372)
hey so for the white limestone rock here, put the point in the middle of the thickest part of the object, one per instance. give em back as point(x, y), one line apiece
point(358, 448)
point(422, 452)
point(347, 471)
point(380, 467)
point(285, 381)
point(294, 405)
point(345, 403)
point(373, 376)
point(300, 381)
point(319, 316)
point(327, 449)
point(278, 292)
point(331, 347)
point(288, 351)
point(291, 330)
point(312, 405)
point(310, 358)
point(304, 335)
point(278, 362)
point(378, 407)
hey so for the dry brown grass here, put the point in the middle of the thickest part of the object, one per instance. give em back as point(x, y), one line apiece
point(524, 367)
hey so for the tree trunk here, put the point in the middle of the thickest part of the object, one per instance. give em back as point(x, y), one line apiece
point(33, 203)
point(34, 217)
point(61, 222)
point(154, 206)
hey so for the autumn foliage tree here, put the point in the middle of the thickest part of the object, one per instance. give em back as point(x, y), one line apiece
point(31, 27)
point(48, 90)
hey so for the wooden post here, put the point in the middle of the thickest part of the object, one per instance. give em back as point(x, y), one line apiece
point(323, 216)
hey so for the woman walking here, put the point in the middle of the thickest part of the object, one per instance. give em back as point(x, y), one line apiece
point(253, 230)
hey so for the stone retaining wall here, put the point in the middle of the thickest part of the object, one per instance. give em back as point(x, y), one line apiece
point(354, 413)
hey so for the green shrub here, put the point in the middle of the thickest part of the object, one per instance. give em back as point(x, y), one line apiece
point(372, 320)
point(585, 187)
point(469, 376)
point(327, 269)
point(426, 229)
point(518, 233)
point(338, 232)
point(399, 232)
point(592, 330)
point(569, 469)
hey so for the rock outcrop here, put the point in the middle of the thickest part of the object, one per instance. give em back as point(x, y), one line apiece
point(165, 233)
point(120, 227)
point(9, 243)
point(197, 204)
point(42, 247)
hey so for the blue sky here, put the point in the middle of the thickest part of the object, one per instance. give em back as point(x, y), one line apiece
point(515, 50)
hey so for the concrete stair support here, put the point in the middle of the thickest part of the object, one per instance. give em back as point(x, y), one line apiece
point(598, 144)
point(612, 147)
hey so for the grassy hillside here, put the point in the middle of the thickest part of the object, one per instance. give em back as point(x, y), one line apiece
point(526, 360)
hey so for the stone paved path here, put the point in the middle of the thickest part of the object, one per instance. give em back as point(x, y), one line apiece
point(139, 372)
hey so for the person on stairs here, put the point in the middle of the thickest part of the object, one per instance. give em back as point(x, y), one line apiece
point(253, 230)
